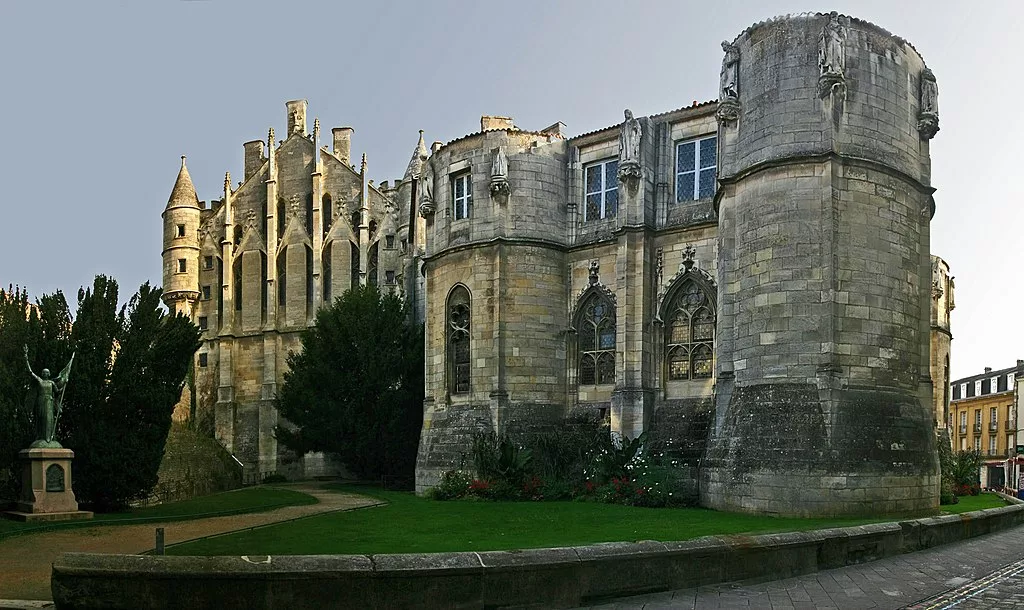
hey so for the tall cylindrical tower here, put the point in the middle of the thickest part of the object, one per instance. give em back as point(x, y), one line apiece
point(181, 245)
point(824, 393)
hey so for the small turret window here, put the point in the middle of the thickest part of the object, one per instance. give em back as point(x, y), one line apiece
point(204, 360)
point(207, 262)
point(389, 242)
point(462, 195)
point(204, 323)
point(206, 293)
point(180, 230)
point(182, 265)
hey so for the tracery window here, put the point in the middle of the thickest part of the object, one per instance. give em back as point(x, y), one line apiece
point(458, 320)
point(595, 330)
point(690, 335)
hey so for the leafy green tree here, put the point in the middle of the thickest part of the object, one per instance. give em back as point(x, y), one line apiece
point(129, 369)
point(356, 388)
point(16, 431)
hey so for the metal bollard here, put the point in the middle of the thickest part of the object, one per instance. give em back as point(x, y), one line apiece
point(159, 541)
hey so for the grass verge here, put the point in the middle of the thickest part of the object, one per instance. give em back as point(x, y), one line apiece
point(235, 502)
point(978, 502)
point(415, 525)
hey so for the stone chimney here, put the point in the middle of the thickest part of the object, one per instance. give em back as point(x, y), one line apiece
point(495, 122)
point(988, 369)
point(1020, 362)
point(296, 117)
point(343, 143)
point(253, 158)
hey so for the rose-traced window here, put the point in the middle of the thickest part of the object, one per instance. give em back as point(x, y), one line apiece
point(457, 313)
point(595, 330)
point(690, 334)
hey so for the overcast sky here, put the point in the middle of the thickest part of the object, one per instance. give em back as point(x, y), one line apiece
point(99, 100)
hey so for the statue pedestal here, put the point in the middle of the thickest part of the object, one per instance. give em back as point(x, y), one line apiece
point(46, 493)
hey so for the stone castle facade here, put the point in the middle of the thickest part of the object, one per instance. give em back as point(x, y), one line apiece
point(748, 279)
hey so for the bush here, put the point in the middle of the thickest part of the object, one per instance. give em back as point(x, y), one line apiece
point(454, 484)
point(498, 458)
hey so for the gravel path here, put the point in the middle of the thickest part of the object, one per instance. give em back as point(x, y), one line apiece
point(25, 560)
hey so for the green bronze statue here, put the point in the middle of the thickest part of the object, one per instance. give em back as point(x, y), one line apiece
point(46, 404)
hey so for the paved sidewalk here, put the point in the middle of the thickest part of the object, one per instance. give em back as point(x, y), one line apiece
point(26, 560)
point(986, 572)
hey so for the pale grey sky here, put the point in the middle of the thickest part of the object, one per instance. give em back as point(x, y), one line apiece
point(100, 99)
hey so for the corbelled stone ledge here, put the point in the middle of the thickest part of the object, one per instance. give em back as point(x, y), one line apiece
point(559, 577)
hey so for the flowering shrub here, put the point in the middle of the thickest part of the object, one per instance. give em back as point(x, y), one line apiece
point(454, 484)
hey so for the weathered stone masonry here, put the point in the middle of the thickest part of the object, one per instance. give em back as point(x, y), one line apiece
point(746, 280)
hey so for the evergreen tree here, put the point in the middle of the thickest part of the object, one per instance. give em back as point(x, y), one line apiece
point(129, 370)
point(356, 388)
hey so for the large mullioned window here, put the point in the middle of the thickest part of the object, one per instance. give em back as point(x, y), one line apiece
point(602, 190)
point(690, 335)
point(458, 340)
point(696, 162)
point(595, 330)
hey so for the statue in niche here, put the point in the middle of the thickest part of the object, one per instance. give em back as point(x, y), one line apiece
point(831, 51)
point(730, 67)
point(729, 96)
point(832, 60)
point(630, 135)
point(427, 207)
point(928, 115)
point(499, 173)
point(46, 400)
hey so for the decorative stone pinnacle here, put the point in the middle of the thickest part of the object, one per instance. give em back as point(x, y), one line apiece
point(362, 165)
point(270, 139)
point(595, 268)
point(183, 160)
point(688, 254)
point(227, 181)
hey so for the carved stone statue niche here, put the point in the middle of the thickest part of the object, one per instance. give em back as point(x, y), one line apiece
point(832, 55)
point(499, 174)
point(928, 115)
point(630, 135)
point(728, 95)
point(427, 206)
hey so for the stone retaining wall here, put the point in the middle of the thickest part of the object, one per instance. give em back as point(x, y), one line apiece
point(560, 577)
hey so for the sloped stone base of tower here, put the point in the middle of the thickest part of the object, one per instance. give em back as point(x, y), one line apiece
point(446, 442)
point(790, 449)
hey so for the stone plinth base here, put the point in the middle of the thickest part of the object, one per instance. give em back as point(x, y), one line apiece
point(46, 487)
point(77, 515)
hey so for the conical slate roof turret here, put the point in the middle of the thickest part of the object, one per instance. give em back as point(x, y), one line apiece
point(183, 192)
point(419, 155)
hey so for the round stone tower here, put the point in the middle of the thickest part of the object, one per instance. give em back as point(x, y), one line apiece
point(181, 245)
point(824, 393)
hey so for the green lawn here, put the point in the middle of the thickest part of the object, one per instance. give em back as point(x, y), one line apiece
point(247, 500)
point(979, 502)
point(410, 524)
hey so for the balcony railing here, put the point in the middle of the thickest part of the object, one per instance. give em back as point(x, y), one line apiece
point(993, 426)
point(963, 429)
point(1009, 425)
point(994, 452)
point(977, 428)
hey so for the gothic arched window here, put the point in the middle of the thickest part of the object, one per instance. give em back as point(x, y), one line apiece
point(690, 334)
point(457, 325)
point(595, 329)
point(371, 266)
point(326, 211)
